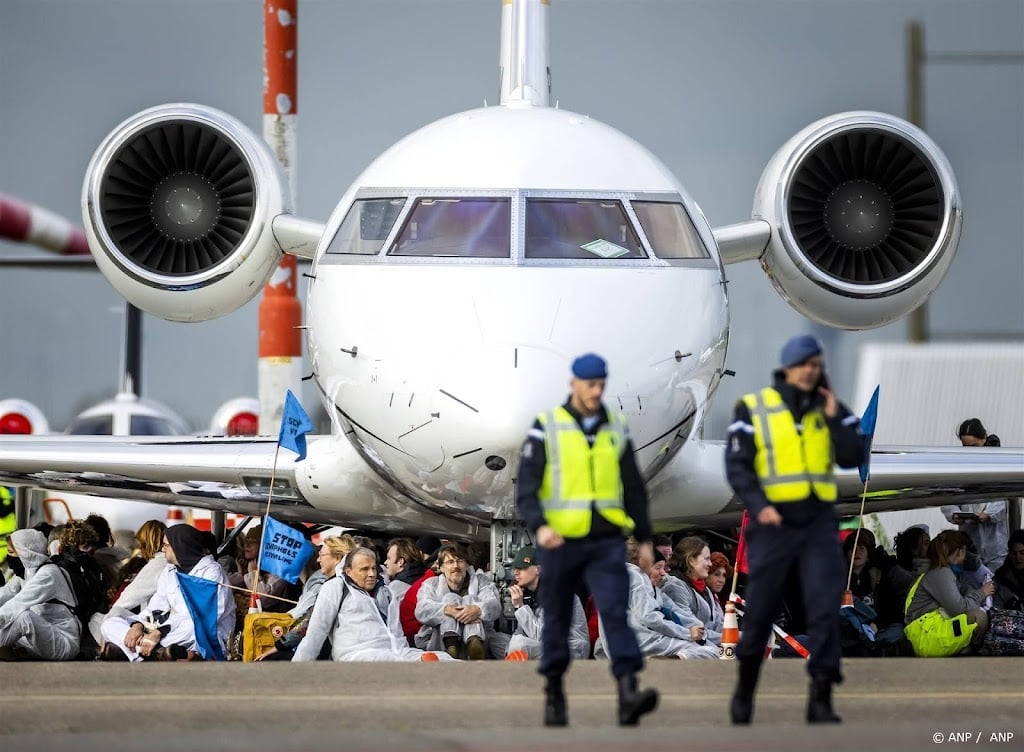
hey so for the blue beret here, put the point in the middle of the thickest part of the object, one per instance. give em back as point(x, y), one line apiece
point(589, 366)
point(799, 349)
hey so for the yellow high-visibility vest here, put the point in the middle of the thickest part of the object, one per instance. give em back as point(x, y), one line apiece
point(8, 520)
point(578, 474)
point(790, 463)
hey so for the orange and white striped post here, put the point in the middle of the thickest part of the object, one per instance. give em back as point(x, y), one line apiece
point(280, 315)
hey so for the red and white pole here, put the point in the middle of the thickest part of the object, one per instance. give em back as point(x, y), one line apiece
point(29, 223)
point(280, 315)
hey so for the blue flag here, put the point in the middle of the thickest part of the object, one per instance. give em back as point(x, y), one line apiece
point(201, 599)
point(867, 427)
point(295, 424)
point(285, 550)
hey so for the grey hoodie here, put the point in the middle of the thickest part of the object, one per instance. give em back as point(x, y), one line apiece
point(32, 611)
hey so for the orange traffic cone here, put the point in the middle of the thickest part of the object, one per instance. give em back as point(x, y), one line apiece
point(730, 633)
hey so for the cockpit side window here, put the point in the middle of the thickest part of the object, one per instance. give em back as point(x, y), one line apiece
point(669, 230)
point(150, 425)
point(558, 228)
point(456, 227)
point(366, 226)
point(96, 425)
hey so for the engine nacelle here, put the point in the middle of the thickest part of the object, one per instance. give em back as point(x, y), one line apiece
point(21, 417)
point(865, 215)
point(178, 204)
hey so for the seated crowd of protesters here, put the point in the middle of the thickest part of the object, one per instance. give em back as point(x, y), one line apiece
point(73, 593)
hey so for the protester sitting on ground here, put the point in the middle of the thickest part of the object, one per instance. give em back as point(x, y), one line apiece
point(403, 566)
point(664, 544)
point(719, 579)
point(428, 546)
point(1009, 578)
point(139, 576)
point(525, 643)
point(694, 602)
point(78, 539)
point(458, 608)
point(270, 588)
point(911, 560)
point(653, 617)
point(407, 607)
point(109, 556)
point(360, 615)
point(164, 629)
point(865, 578)
point(36, 619)
point(52, 534)
point(939, 620)
point(332, 552)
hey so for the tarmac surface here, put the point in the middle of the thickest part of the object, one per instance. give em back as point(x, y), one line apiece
point(887, 704)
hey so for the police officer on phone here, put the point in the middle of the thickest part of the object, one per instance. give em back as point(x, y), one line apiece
point(579, 491)
point(782, 445)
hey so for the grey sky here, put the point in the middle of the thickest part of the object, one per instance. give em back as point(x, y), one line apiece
point(713, 88)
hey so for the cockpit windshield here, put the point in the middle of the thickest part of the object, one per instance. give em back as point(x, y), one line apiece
point(522, 226)
point(459, 227)
point(565, 228)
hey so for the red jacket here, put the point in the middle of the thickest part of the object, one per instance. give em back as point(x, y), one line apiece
point(407, 609)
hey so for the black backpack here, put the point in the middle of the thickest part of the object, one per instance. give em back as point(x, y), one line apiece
point(85, 577)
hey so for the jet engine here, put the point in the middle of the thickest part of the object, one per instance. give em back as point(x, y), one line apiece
point(865, 215)
point(178, 204)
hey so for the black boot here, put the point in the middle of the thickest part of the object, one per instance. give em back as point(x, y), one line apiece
point(555, 712)
point(741, 708)
point(634, 703)
point(819, 702)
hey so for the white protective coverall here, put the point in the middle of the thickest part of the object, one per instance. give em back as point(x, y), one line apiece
point(434, 595)
point(362, 626)
point(656, 634)
point(695, 608)
point(530, 623)
point(167, 608)
point(30, 616)
point(135, 595)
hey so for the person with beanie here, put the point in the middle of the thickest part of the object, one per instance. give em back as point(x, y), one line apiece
point(580, 493)
point(782, 445)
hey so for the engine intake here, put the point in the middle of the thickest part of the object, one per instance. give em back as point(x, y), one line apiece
point(866, 218)
point(178, 203)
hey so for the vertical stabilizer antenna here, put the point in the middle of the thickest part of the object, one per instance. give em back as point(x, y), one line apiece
point(523, 71)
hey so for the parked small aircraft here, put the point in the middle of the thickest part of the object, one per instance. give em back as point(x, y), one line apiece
point(462, 272)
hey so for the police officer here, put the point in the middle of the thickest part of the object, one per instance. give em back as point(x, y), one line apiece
point(580, 492)
point(782, 445)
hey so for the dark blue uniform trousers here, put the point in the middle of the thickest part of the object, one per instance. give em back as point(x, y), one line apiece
point(601, 562)
point(812, 549)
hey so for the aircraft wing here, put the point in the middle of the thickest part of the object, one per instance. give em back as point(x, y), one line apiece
point(223, 474)
point(693, 485)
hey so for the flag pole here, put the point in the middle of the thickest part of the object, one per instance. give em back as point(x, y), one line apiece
point(867, 423)
point(263, 529)
point(848, 595)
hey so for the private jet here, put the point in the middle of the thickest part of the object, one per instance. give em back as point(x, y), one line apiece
point(462, 272)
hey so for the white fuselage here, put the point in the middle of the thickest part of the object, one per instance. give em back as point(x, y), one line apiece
point(433, 362)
